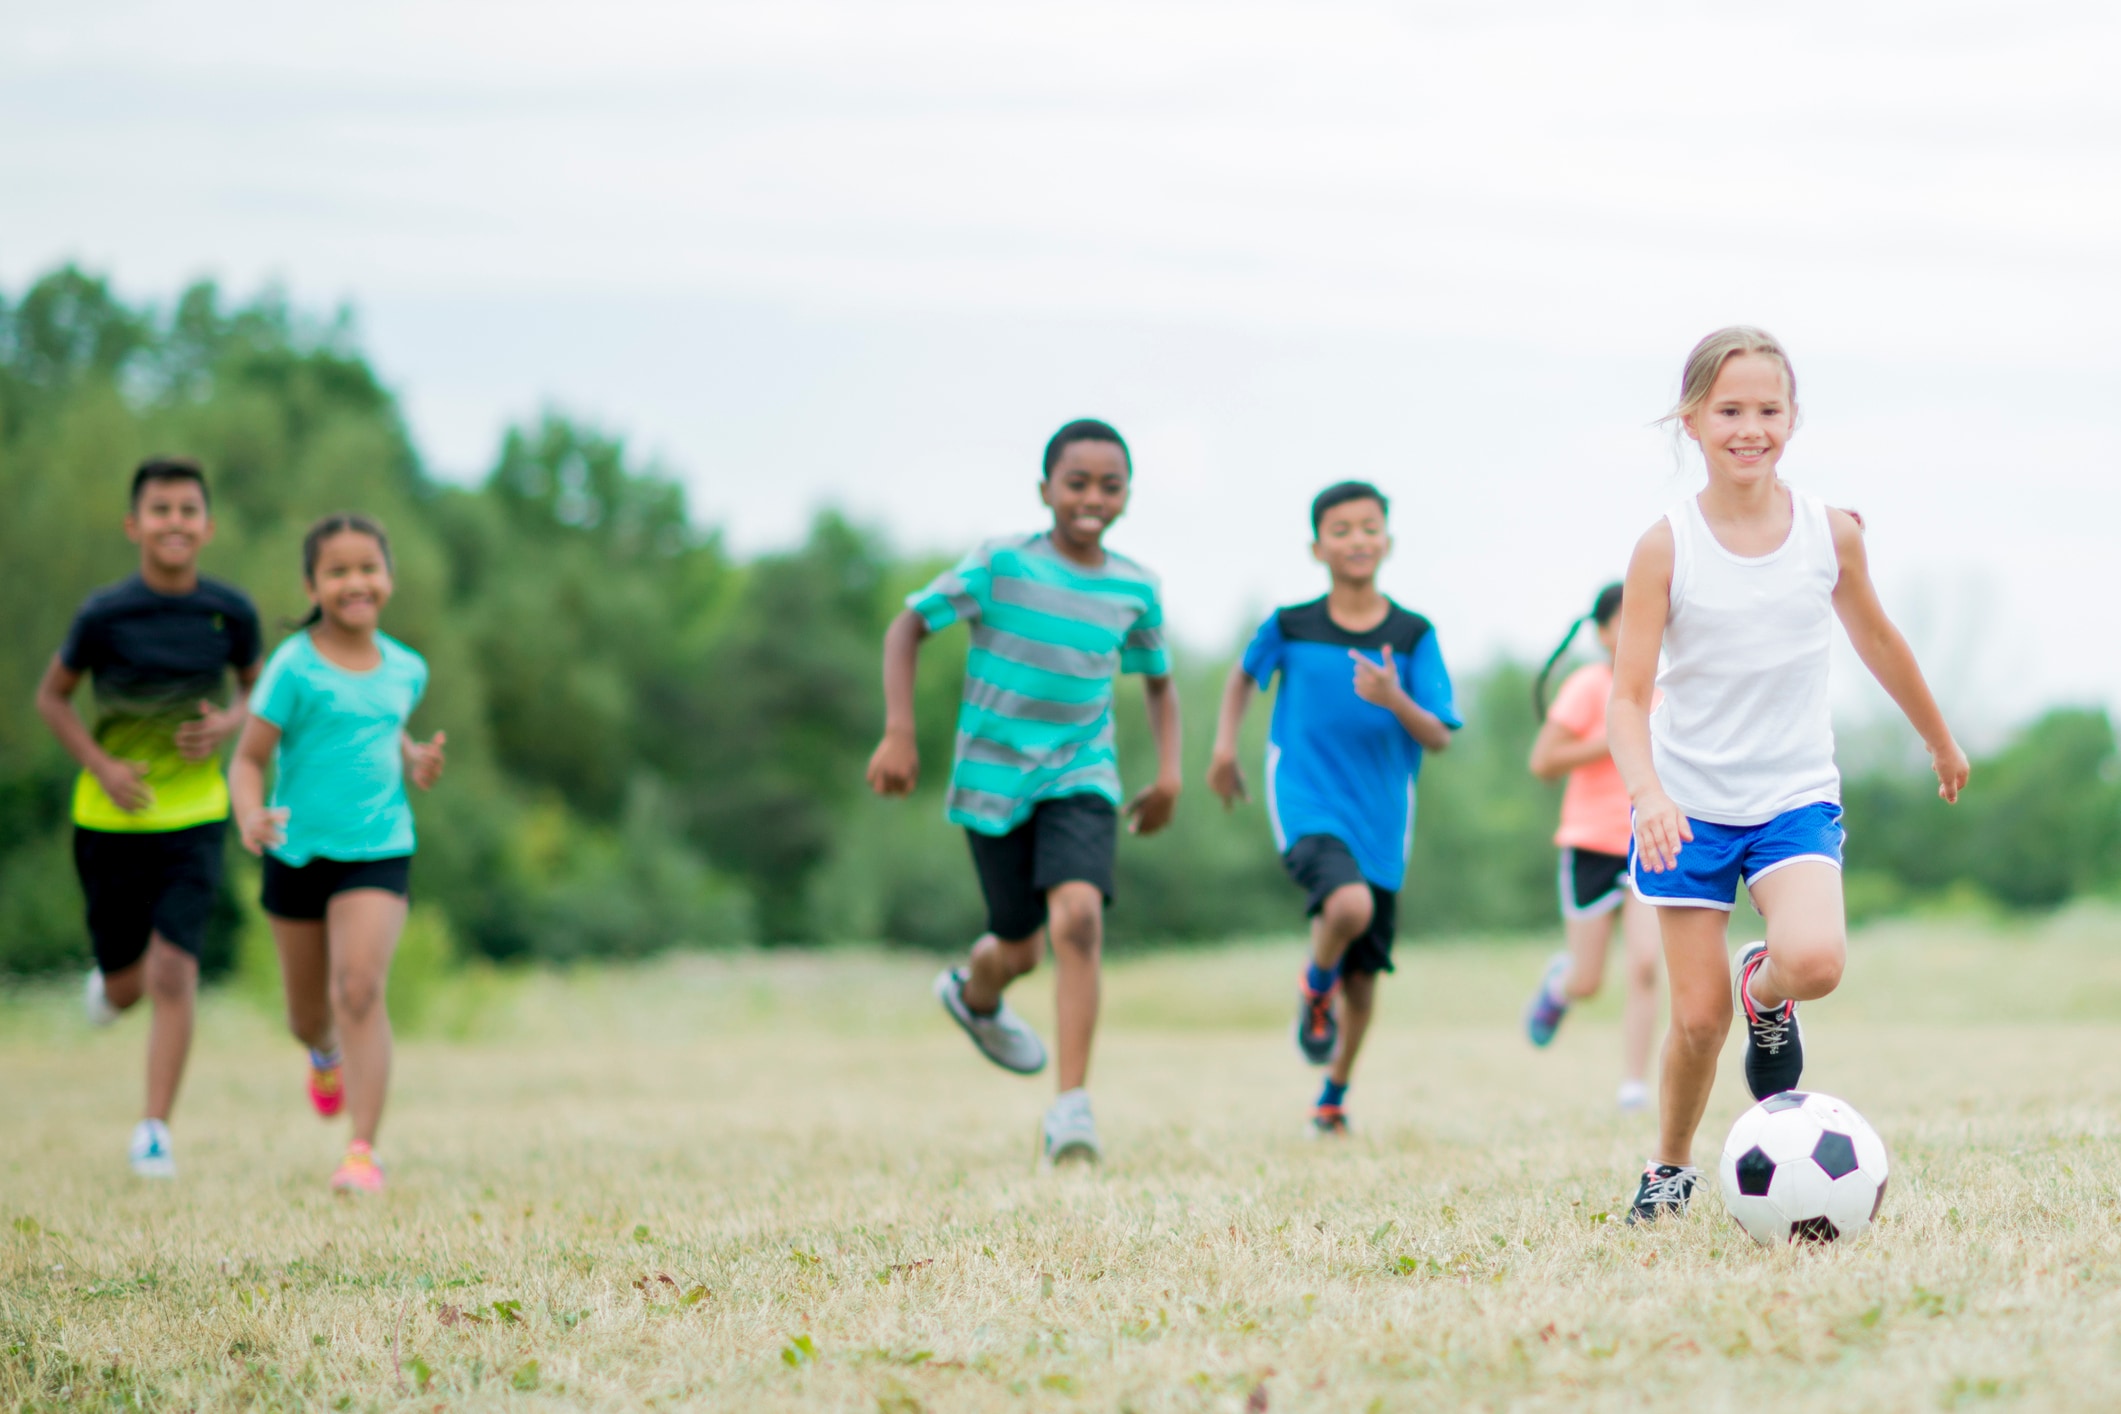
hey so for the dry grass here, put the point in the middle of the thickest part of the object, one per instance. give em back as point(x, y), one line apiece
point(782, 1182)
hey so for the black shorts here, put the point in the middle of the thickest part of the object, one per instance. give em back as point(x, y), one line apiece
point(1592, 883)
point(1322, 863)
point(139, 885)
point(303, 893)
point(1073, 839)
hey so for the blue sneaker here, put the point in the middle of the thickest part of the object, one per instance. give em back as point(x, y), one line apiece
point(1542, 1015)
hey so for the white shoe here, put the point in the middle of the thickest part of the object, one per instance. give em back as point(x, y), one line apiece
point(151, 1152)
point(1634, 1097)
point(96, 1002)
point(1070, 1130)
point(1002, 1038)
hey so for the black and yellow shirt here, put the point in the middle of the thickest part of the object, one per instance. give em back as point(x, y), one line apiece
point(152, 658)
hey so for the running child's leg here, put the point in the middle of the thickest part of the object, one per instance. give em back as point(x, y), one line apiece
point(1807, 934)
point(1358, 1003)
point(1075, 920)
point(1638, 1017)
point(1344, 917)
point(1701, 1019)
point(994, 964)
point(1587, 939)
point(172, 984)
point(361, 930)
point(305, 976)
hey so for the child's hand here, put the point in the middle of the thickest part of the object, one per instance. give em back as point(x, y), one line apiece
point(1376, 682)
point(262, 829)
point(895, 766)
point(125, 782)
point(1952, 769)
point(424, 760)
point(1227, 779)
point(1152, 809)
point(202, 736)
point(1660, 828)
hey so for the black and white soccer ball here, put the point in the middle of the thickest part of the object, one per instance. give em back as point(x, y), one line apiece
point(1803, 1167)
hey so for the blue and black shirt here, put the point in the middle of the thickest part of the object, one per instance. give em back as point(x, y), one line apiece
point(1337, 765)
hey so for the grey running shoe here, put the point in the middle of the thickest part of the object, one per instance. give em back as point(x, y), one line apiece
point(95, 1001)
point(1002, 1037)
point(1071, 1130)
point(1663, 1193)
point(1774, 1042)
point(151, 1153)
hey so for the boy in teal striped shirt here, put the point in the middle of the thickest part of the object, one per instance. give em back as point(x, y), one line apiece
point(1035, 780)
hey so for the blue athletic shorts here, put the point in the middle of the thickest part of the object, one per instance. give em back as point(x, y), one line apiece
point(1711, 864)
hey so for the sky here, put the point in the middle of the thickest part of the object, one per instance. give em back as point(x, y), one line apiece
point(870, 255)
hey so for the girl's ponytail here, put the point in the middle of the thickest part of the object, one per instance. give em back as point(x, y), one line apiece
point(337, 523)
point(1603, 608)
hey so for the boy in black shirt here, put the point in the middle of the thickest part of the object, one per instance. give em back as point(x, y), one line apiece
point(151, 804)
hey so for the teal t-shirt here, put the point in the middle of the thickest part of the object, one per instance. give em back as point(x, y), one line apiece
point(340, 769)
point(1048, 635)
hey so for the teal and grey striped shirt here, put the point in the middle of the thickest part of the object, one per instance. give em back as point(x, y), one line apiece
point(1047, 637)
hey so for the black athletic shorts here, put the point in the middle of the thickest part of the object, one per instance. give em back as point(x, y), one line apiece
point(138, 885)
point(304, 893)
point(1592, 883)
point(1073, 839)
point(1322, 863)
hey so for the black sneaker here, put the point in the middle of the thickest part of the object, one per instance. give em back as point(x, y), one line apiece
point(1664, 1193)
point(1774, 1042)
point(1317, 1028)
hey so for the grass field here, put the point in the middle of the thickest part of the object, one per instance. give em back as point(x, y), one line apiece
point(782, 1182)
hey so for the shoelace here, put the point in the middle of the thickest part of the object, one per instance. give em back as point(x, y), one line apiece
point(1668, 1190)
point(1321, 1014)
point(1770, 1034)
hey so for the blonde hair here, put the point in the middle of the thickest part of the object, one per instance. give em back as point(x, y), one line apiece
point(1709, 357)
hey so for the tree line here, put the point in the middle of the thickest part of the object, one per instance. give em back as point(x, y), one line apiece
point(655, 742)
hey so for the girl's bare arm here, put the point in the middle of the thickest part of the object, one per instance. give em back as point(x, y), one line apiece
point(1660, 828)
point(1885, 652)
point(1556, 751)
point(256, 825)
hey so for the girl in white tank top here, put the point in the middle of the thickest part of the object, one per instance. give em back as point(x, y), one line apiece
point(1733, 777)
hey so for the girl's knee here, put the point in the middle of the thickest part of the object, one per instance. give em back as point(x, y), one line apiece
point(356, 996)
point(1808, 968)
point(1701, 1026)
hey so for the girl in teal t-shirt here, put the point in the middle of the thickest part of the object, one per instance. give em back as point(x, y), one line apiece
point(328, 717)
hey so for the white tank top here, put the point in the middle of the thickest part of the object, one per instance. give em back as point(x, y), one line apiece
point(1746, 730)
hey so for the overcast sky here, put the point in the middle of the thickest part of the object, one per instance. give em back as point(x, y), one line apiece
point(872, 254)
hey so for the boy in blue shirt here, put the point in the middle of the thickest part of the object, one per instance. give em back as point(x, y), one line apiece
point(1363, 694)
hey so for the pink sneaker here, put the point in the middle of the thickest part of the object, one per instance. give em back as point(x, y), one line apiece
point(327, 1090)
point(358, 1172)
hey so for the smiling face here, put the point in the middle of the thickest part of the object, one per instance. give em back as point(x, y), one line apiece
point(170, 523)
point(1745, 420)
point(1087, 491)
point(351, 581)
point(1353, 540)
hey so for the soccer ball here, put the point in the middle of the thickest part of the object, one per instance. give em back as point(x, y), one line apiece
point(1803, 1167)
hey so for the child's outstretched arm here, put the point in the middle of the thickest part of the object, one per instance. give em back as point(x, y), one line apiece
point(1660, 826)
point(1150, 810)
point(895, 765)
point(1225, 777)
point(1885, 652)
